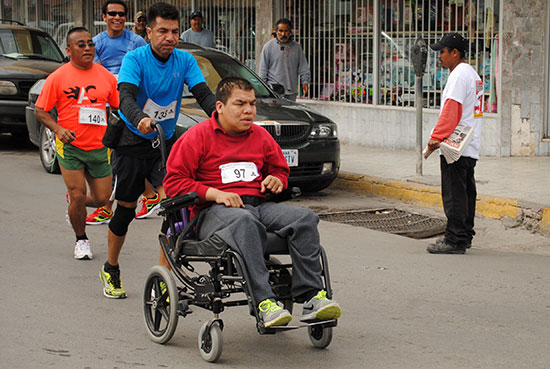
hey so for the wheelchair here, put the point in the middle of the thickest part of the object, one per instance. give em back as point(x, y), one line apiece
point(222, 283)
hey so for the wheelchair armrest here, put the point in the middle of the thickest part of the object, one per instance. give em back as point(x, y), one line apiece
point(179, 202)
point(289, 193)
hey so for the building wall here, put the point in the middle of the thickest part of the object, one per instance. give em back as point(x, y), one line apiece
point(517, 130)
point(523, 83)
point(395, 128)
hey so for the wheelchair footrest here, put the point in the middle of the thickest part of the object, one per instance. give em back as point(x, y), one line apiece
point(280, 328)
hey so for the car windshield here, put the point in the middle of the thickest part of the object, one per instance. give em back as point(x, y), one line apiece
point(28, 44)
point(216, 67)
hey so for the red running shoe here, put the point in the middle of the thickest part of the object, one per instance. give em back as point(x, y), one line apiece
point(99, 216)
point(148, 206)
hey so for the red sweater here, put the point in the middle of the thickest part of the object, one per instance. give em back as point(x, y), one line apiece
point(195, 159)
point(448, 120)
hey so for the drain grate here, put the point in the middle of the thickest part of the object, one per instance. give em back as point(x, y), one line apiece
point(389, 220)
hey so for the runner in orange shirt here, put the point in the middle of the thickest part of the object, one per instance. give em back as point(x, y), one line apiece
point(80, 91)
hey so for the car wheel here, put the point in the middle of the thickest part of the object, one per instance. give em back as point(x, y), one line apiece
point(47, 151)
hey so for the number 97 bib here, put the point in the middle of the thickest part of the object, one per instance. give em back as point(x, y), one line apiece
point(238, 172)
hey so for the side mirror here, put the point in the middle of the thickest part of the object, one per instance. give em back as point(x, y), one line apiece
point(419, 55)
point(279, 89)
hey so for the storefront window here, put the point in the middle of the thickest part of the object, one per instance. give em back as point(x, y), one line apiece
point(234, 25)
point(339, 36)
point(355, 55)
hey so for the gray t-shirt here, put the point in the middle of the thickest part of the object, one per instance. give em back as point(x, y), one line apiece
point(203, 38)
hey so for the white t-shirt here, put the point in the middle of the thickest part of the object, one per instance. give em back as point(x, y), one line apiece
point(465, 86)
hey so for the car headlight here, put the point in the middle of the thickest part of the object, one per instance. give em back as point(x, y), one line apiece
point(324, 130)
point(8, 88)
point(37, 87)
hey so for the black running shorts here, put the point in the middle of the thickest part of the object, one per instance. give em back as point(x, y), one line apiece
point(130, 173)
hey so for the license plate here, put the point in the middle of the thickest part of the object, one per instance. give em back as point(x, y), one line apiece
point(291, 157)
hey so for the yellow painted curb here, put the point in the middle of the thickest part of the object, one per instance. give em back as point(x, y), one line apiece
point(544, 225)
point(391, 189)
point(496, 207)
point(412, 193)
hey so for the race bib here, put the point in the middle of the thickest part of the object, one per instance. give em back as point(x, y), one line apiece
point(238, 172)
point(159, 113)
point(92, 116)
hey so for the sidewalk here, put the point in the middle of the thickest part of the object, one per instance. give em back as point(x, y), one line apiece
point(514, 187)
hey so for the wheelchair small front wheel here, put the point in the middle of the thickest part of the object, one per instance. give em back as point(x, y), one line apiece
point(211, 342)
point(160, 301)
point(320, 336)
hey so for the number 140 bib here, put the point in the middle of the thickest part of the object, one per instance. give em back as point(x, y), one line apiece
point(239, 172)
point(92, 116)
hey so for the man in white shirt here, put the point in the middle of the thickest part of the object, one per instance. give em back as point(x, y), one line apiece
point(461, 103)
point(197, 34)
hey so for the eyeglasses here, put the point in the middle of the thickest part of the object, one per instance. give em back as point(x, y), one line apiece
point(82, 45)
point(114, 14)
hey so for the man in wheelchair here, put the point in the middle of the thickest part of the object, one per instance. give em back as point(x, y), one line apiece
point(232, 164)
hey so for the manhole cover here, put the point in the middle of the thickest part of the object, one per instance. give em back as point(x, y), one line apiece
point(389, 220)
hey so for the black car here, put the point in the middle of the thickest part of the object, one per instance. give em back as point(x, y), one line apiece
point(308, 139)
point(26, 56)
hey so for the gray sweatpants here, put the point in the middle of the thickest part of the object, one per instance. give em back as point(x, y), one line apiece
point(244, 230)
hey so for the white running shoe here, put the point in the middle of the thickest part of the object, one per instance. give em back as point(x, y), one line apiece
point(82, 250)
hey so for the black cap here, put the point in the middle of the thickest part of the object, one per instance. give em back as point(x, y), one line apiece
point(451, 41)
point(196, 14)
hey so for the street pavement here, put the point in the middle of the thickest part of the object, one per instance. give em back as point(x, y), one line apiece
point(402, 307)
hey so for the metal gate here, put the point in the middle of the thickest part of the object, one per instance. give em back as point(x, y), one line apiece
point(359, 50)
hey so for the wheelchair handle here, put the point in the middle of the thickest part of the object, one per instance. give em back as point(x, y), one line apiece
point(159, 140)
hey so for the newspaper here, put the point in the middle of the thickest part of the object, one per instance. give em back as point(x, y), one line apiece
point(453, 146)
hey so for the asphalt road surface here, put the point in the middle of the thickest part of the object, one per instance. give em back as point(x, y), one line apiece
point(402, 308)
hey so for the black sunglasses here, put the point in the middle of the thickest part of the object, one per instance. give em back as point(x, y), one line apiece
point(114, 14)
point(82, 45)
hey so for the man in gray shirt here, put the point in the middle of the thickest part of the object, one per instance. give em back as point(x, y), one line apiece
point(196, 34)
point(283, 60)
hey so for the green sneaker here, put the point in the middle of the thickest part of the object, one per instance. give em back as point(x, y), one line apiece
point(112, 284)
point(272, 314)
point(320, 308)
point(163, 289)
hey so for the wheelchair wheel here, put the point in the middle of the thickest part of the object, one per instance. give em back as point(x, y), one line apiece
point(320, 336)
point(160, 301)
point(211, 345)
point(280, 282)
